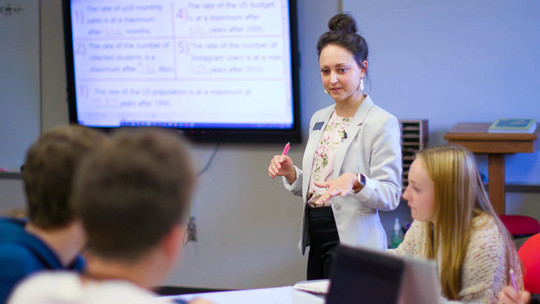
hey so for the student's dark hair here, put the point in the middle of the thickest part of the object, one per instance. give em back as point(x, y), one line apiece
point(131, 193)
point(343, 32)
point(48, 172)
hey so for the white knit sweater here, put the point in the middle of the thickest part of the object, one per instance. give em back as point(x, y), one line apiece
point(485, 267)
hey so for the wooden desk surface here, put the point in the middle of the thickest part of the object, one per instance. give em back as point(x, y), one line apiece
point(475, 136)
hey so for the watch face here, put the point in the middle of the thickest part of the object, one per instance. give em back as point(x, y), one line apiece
point(361, 179)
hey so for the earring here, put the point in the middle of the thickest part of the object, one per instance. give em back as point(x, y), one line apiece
point(326, 91)
point(362, 84)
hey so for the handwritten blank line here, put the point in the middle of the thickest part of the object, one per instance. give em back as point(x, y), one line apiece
point(179, 79)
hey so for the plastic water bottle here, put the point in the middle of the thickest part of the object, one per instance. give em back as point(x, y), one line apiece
point(397, 235)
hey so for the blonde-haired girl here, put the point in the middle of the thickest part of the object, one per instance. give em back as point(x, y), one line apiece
point(455, 225)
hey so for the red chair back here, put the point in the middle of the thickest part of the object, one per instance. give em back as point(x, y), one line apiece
point(520, 225)
point(529, 253)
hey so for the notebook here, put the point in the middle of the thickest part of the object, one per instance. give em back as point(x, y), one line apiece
point(362, 275)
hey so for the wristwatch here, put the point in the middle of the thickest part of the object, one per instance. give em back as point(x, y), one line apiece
point(361, 182)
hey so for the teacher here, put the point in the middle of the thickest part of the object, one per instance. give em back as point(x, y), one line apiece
point(352, 161)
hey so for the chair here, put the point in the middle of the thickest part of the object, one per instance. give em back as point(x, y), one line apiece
point(520, 225)
point(529, 253)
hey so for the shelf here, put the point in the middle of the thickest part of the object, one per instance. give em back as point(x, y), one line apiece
point(414, 138)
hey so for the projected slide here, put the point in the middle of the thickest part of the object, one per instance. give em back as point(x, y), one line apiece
point(182, 63)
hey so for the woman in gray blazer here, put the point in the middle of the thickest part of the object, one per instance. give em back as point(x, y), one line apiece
point(352, 161)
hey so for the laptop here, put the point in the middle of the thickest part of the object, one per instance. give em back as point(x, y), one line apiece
point(364, 276)
point(421, 283)
point(361, 275)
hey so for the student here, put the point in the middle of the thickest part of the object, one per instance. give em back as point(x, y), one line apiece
point(352, 161)
point(455, 225)
point(50, 238)
point(133, 198)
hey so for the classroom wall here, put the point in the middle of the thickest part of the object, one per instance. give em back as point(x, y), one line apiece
point(20, 117)
point(458, 61)
point(443, 61)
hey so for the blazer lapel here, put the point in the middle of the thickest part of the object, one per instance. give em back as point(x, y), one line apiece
point(352, 130)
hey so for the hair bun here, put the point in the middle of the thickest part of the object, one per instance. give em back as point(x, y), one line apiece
point(342, 22)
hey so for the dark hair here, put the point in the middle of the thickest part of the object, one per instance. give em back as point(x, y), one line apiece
point(48, 172)
point(343, 33)
point(131, 193)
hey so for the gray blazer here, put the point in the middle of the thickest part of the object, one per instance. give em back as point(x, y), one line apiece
point(372, 147)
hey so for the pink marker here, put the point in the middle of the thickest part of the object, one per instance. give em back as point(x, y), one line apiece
point(286, 149)
point(513, 278)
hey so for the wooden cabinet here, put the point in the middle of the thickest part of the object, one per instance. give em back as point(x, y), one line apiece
point(414, 138)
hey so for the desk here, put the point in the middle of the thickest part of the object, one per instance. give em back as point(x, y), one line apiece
point(476, 138)
point(276, 295)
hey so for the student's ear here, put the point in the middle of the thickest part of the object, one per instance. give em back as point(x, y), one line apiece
point(80, 237)
point(174, 240)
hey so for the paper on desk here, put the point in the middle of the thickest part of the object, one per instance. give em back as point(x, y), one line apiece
point(314, 286)
point(275, 295)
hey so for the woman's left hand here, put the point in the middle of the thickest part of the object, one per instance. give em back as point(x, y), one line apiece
point(341, 186)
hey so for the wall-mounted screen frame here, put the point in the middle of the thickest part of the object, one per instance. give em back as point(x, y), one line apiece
point(217, 71)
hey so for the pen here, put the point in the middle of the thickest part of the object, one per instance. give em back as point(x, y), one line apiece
point(513, 278)
point(286, 149)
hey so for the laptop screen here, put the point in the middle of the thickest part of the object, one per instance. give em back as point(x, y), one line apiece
point(364, 276)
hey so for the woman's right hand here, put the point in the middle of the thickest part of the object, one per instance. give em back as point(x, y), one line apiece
point(509, 296)
point(282, 165)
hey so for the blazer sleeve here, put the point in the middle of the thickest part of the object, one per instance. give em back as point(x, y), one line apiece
point(296, 186)
point(383, 182)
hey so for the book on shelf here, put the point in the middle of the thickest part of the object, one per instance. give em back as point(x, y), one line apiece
point(513, 125)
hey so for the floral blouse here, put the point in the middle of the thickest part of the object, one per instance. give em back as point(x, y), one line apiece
point(323, 160)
